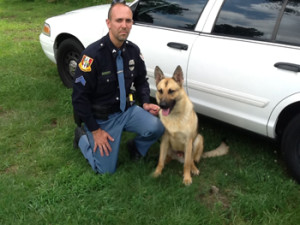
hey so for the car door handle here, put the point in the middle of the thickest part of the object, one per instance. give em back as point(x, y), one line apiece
point(178, 46)
point(288, 66)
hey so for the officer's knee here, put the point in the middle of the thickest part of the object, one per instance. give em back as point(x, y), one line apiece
point(156, 129)
point(105, 170)
point(160, 129)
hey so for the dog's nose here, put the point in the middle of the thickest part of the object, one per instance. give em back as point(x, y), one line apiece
point(163, 105)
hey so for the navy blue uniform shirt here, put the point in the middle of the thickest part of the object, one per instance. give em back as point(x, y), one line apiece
point(96, 81)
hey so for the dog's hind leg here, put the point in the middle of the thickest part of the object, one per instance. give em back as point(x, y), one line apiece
point(197, 152)
point(198, 146)
point(194, 169)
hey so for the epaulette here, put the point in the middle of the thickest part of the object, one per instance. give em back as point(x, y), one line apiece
point(92, 49)
point(131, 44)
point(101, 45)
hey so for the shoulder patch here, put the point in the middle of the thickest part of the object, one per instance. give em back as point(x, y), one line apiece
point(86, 63)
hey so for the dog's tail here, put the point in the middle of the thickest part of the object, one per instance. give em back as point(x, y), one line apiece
point(223, 149)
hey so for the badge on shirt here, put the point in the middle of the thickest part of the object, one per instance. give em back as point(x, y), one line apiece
point(86, 63)
point(131, 64)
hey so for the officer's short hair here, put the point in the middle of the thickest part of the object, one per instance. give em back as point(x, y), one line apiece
point(113, 3)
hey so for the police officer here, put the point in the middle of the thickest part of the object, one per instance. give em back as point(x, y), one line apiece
point(97, 95)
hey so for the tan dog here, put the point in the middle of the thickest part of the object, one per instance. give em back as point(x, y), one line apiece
point(181, 140)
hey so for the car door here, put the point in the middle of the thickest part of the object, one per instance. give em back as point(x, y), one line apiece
point(164, 31)
point(233, 72)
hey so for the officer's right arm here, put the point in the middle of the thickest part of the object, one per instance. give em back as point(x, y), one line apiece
point(83, 86)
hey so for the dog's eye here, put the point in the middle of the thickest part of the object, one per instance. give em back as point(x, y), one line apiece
point(171, 91)
point(160, 91)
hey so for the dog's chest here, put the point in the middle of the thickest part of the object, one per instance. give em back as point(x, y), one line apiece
point(180, 126)
point(180, 130)
point(178, 141)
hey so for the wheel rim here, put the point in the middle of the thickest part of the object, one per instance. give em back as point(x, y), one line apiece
point(71, 63)
point(72, 67)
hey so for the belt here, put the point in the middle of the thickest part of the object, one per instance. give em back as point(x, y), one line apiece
point(102, 112)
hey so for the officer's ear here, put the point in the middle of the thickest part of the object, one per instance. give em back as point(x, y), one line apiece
point(108, 23)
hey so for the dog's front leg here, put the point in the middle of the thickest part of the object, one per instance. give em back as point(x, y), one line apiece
point(164, 145)
point(187, 178)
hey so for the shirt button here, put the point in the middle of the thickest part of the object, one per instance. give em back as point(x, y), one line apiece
point(107, 80)
point(132, 75)
point(117, 98)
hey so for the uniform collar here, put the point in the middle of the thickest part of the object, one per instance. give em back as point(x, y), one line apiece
point(111, 46)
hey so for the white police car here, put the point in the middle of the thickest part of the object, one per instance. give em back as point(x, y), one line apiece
point(241, 58)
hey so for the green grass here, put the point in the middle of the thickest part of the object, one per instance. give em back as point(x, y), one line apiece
point(43, 180)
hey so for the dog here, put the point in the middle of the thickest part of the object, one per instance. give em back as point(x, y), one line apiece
point(181, 140)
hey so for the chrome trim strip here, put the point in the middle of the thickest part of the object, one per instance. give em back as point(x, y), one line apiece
point(229, 94)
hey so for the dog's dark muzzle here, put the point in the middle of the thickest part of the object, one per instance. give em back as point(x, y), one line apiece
point(167, 106)
point(164, 105)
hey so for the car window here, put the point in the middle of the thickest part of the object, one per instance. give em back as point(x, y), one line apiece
point(248, 18)
point(178, 14)
point(289, 29)
point(269, 20)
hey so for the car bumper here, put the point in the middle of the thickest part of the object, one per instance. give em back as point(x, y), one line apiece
point(47, 46)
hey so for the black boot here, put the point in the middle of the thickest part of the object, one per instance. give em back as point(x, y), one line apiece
point(133, 152)
point(79, 131)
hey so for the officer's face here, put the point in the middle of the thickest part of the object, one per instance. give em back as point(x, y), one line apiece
point(119, 24)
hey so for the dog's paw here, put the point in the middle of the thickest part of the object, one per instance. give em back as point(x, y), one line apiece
point(187, 181)
point(156, 174)
point(195, 171)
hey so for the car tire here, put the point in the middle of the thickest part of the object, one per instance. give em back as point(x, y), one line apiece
point(68, 54)
point(290, 146)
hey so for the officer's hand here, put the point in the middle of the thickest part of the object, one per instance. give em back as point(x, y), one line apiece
point(151, 108)
point(101, 138)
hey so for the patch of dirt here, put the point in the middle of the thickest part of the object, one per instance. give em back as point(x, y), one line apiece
point(11, 169)
point(53, 122)
point(2, 111)
point(213, 197)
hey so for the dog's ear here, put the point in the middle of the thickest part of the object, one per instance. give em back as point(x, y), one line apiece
point(158, 74)
point(178, 75)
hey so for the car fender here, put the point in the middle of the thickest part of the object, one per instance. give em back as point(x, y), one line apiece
point(273, 119)
point(87, 32)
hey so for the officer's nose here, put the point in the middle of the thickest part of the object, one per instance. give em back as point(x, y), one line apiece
point(123, 24)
